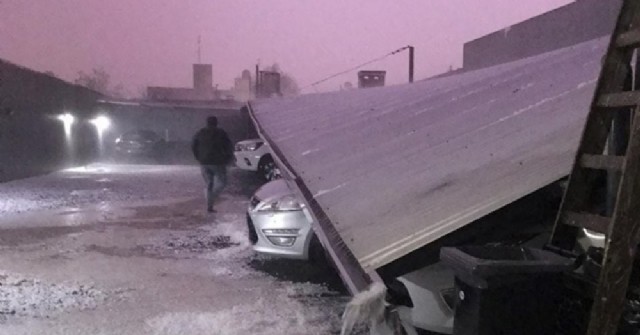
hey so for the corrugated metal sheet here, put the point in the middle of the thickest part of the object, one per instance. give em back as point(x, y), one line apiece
point(395, 168)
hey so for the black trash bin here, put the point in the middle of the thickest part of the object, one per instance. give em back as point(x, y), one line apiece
point(505, 290)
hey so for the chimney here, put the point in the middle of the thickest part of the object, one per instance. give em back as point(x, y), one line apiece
point(202, 76)
point(371, 78)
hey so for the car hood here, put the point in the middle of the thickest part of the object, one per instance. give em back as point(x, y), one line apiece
point(273, 189)
point(255, 140)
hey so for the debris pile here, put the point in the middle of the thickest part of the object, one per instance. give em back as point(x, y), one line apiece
point(199, 243)
point(21, 296)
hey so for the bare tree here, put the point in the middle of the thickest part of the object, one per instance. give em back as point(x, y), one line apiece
point(143, 93)
point(288, 84)
point(100, 81)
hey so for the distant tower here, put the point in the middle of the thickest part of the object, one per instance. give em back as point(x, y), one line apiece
point(242, 87)
point(269, 84)
point(246, 74)
point(202, 76)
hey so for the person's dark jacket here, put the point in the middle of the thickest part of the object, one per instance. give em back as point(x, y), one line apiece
point(211, 146)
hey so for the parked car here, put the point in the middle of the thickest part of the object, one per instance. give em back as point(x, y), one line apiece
point(426, 297)
point(139, 143)
point(255, 155)
point(280, 225)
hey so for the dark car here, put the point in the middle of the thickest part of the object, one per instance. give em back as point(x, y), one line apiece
point(139, 144)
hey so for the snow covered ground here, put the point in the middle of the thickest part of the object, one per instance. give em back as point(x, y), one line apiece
point(99, 183)
point(128, 249)
point(20, 296)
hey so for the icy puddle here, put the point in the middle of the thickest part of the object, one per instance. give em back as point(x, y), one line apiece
point(174, 247)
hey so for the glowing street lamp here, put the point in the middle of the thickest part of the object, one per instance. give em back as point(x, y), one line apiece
point(67, 120)
point(101, 123)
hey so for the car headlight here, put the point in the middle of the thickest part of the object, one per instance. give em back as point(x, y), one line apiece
point(280, 231)
point(282, 241)
point(282, 204)
point(281, 237)
point(253, 146)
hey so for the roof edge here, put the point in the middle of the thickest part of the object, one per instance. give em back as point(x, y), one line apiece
point(352, 274)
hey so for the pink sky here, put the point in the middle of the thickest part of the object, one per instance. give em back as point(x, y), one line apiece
point(154, 42)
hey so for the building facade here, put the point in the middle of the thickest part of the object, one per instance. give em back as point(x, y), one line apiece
point(574, 23)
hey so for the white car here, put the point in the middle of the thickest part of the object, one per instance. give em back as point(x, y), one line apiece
point(255, 155)
point(431, 291)
point(280, 225)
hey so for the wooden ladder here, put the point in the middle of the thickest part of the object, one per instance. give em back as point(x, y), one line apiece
point(622, 226)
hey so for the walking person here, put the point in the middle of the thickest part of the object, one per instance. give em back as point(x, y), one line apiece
point(213, 150)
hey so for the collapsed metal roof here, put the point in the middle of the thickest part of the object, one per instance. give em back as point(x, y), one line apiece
point(395, 168)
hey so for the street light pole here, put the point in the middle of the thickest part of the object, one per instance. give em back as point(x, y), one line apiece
point(410, 64)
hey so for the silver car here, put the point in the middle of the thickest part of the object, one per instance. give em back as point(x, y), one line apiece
point(279, 223)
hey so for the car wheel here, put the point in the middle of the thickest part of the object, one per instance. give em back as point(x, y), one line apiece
point(268, 169)
point(317, 254)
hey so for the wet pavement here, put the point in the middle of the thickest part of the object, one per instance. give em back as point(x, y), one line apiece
point(157, 266)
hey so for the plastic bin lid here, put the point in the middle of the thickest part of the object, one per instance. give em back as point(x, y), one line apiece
point(491, 261)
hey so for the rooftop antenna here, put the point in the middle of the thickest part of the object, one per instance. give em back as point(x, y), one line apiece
point(199, 49)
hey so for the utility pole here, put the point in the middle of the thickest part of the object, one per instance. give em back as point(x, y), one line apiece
point(257, 80)
point(410, 63)
point(410, 47)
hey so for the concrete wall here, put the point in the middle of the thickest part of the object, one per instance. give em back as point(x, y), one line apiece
point(577, 22)
point(32, 139)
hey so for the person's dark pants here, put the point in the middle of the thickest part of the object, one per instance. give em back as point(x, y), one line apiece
point(215, 177)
